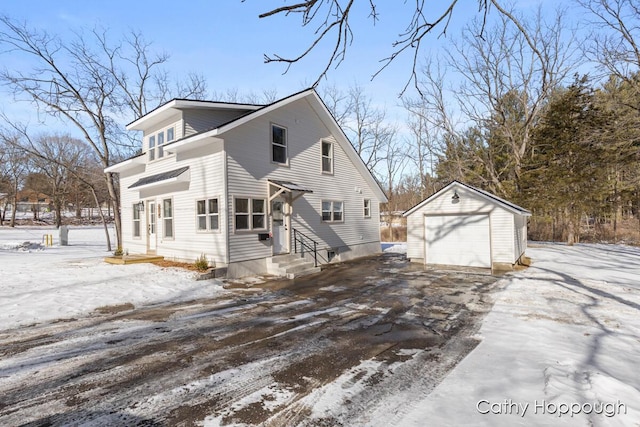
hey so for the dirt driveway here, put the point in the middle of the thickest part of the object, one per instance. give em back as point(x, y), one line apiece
point(356, 344)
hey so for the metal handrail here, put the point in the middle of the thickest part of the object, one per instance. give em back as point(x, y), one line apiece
point(300, 237)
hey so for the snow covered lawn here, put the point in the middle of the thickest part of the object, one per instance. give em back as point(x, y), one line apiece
point(561, 346)
point(40, 283)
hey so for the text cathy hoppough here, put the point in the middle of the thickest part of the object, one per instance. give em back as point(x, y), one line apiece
point(542, 407)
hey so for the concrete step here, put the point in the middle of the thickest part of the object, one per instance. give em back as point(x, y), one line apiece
point(297, 266)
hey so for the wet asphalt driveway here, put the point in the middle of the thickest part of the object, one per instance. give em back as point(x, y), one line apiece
point(356, 344)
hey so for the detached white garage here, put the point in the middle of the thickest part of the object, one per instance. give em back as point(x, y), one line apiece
point(465, 226)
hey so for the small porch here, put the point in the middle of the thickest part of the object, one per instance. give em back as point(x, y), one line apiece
point(132, 259)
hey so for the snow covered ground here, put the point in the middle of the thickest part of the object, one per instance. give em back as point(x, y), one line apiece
point(40, 283)
point(561, 345)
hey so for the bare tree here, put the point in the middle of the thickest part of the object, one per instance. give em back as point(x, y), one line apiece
point(13, 170)
point(89, 82)
point(506, 78)
point(616, 38)
point(330, 21)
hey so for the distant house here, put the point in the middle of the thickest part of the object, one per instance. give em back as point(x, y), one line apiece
point(466, 226)
point(247, 184)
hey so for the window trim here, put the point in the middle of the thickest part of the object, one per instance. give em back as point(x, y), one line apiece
point(332, 211)
point(207, 215)
point(165, 218)
point(330, 156)
point(249, 214)
point(135, 220)
point(366, 208)
point(156, 152)
point(285, 145)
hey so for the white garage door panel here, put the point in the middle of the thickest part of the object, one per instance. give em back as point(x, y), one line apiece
point(458, 240)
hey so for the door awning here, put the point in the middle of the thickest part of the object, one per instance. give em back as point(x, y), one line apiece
point(277, 187)
point(160, 179)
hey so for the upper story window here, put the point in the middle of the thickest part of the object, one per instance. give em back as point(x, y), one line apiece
point(367, 208)
point(157, 142)
point(278, 144)
point(327, 157)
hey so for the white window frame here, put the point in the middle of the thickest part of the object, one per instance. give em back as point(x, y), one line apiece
point(366, 208)
point(136, 220)
point(332, 211)
point(169, 219)
point(151, 142)
point(250, 214)
point(208, 215)
point(157, 141)
point(284, 145)
point(329, 157)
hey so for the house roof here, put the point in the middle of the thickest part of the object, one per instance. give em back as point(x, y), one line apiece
point(316, 104)
point(511, 207)
point(166, 110)
point(159, 177)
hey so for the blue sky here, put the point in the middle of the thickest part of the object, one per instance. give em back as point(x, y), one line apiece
point(225, 41)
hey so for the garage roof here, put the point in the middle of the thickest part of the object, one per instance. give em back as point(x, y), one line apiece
point(511, 207)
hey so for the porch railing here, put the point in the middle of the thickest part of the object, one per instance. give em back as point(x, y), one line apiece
point(302, 243)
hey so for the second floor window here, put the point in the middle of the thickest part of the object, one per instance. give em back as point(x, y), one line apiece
point(327, 157)
point(157, 142)
point(278, 144)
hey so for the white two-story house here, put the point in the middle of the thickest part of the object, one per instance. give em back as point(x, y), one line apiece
point(244, 183)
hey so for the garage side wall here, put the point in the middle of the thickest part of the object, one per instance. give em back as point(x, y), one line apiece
point(520, 243)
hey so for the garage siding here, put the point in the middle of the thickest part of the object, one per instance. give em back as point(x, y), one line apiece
point(507, 229)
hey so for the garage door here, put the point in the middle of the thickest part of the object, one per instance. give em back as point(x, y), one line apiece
point(458, 240)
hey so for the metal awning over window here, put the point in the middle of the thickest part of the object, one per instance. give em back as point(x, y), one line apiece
point(277, 188)
point(164, 178)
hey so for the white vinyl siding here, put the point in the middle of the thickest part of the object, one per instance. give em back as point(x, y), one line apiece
point(208, 163)
point(248, 174)
point(503, 237)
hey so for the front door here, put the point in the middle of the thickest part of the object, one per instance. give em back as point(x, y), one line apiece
point(151, 227)
point(279, 229)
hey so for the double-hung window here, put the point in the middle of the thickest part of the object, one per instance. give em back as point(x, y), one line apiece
point(250, 214)
point(332, 211)
point(327, 157)
point(208, 216)
point(167, 214)
point(367, 208)
point(136, 220)
point(278, 144)
point(152, 147)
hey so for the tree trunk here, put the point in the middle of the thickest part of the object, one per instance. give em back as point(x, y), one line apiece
point(115, 197)
point(13, 211)
point(104, 220)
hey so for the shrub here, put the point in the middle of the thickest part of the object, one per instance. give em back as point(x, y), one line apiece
point(118, 251)
point(202, 263)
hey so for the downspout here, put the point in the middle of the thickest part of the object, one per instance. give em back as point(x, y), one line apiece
point(227, 204)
